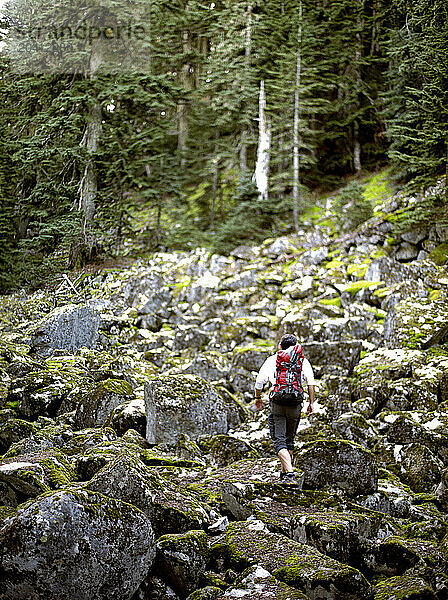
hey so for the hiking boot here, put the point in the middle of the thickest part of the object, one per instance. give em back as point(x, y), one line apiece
point(289, 479)
point(282, 476)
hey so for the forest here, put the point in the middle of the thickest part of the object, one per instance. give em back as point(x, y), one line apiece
point(186, 123)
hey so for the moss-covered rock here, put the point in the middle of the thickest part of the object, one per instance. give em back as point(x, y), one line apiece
point(96, 407)
point(419, 468)
point(169, 508)
point(31, 475)
point(405, 587)
point(182, 404)
point(107, 548)
point(183, 558)
point(13, 431)
point(224, 449)
point(394, 555)
point(255, 583)
point(297, 565)
point(417, 323)
point(339, 463)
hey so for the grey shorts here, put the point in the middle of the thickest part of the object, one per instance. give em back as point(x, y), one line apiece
point(283, 422)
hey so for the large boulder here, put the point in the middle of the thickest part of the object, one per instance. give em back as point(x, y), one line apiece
point(170, 509)
point(68, 327)
point(75, 544)
point(328, 355)
point(182, 404)
point(96, 406)
point(338, 463)
point(298, 565)
point(183, 558)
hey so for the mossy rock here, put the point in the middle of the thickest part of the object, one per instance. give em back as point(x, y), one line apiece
point(183, 558)
point(107, 546)
point(225, 449)
point(210, 592)
point(404, 587)
point(339, 463)
point(170, 508)
point(96, 407)
point(34, 474)
point(395, 555)
point(440, 254)
point(295, 564)
point(255, 582)
point(13, 431)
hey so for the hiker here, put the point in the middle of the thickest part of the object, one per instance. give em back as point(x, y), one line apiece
point(286, 398)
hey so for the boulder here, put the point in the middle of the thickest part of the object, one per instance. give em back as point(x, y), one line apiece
point(169, 509)
point(404, 587)
point(298, 565)
point(14, 430)
point(338, 463)
point(225, 449)
point(299, 289)
point(407, 252)
point(33, 474)
point(182, 404)
point(42, 392)
point(394, 555)
point(256, 583)
point(96, 407)
point(183, 558)
point(328, 355)
point(107, 547)
point(129, 415)
point(68, 327)
point(418, 467)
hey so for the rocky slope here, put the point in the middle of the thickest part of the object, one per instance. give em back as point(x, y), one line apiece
point(133, 466)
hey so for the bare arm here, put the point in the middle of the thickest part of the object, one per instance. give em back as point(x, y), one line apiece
point(311, 394)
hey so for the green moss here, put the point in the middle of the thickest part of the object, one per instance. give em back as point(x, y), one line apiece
point(355, 287)
point(440, 254)
point(405, 587)
point(331, 302)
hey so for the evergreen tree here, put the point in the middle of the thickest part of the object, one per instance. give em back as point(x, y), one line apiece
point(417, 99)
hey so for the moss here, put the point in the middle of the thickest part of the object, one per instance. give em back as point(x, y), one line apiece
point(6, 512)
point(405, 587)
point(355, 287)
point(331, 302)
point(440, 254)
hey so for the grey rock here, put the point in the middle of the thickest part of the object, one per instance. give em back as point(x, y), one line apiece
point(415, 235)
point(183, 558)
point(107, 548)
point(182, 404)
point(296, 564)
point(406, 252)
point(169, 509)
point(282, 245)
point(316, 256)
point(68, 327)
point(96, 407)
point(345, 354)
point(255, 582)
point(338, 463)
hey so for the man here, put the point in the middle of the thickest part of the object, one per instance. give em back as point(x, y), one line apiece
point(284, 420)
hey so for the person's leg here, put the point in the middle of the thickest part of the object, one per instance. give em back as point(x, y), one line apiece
point(277, 428)
point(285, 460)
point(292, 419)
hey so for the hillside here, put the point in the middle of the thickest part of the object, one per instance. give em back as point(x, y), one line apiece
point(134, 467)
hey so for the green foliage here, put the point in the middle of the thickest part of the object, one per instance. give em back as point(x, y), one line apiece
point(352, 208)
point(430, 208)
point(249, 221)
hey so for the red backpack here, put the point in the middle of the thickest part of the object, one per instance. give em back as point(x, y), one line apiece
point(288, 389)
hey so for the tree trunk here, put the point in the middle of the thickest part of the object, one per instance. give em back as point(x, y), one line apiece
point(89, 186)
point(264, 142)
point(247, 52)
point(183, 107)
point(215, 182)
point(296, 162)
point(356, 144)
